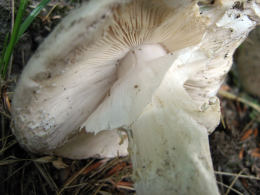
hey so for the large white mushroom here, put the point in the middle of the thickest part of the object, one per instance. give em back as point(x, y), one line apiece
point(148, 70)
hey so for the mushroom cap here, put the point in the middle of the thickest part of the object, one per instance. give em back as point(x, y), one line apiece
point(103, 64)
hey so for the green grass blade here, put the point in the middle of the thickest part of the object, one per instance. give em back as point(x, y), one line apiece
point(18, 30)
point(13, 39)
point(31, 17)
point(3, 50)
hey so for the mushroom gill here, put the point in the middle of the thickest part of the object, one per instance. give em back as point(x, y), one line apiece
point(77, 66)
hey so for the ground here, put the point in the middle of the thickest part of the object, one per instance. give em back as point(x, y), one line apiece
point(235, 144)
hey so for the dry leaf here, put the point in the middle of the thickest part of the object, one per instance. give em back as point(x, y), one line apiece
point(59, 164)
point(45, 159)
point(246, 135)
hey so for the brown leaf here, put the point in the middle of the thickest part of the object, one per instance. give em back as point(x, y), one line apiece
point(59, 164)
point(116, 168)
point(244, 182)
point(45, 159)
point(255, 132)
point(246, 135)
point(93, 166)
point(256, 153)
point(241, 154)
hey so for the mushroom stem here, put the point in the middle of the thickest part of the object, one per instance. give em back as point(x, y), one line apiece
point(167, 164)
point(170, 153)
point(169, 147)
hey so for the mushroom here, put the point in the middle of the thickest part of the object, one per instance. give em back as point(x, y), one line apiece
point(146, 70)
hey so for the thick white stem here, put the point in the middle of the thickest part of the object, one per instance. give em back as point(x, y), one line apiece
point(169, 146)
point(172, 157)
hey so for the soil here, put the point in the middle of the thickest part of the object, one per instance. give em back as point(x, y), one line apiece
point(235, 144)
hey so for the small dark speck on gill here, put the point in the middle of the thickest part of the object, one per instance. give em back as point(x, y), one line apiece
point(135, 86)
point(159, 172)
point(226, 55)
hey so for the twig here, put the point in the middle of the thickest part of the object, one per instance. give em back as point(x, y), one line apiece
point(221, 180)
point(49, 13)
point(73, 177)
point(10, 144)
point(235, 175)
point(248, 125)
point(223, 121)
point(12, 21)
point(3, 130)
point(6, 137)
point(231, 96)
point(234, 190)
point(99, 188)
point(16, 171)
point(47, 177)
point(233, 182)
point(12, 28)
point(125, 187)
point(76, 185)
point(6, 115)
